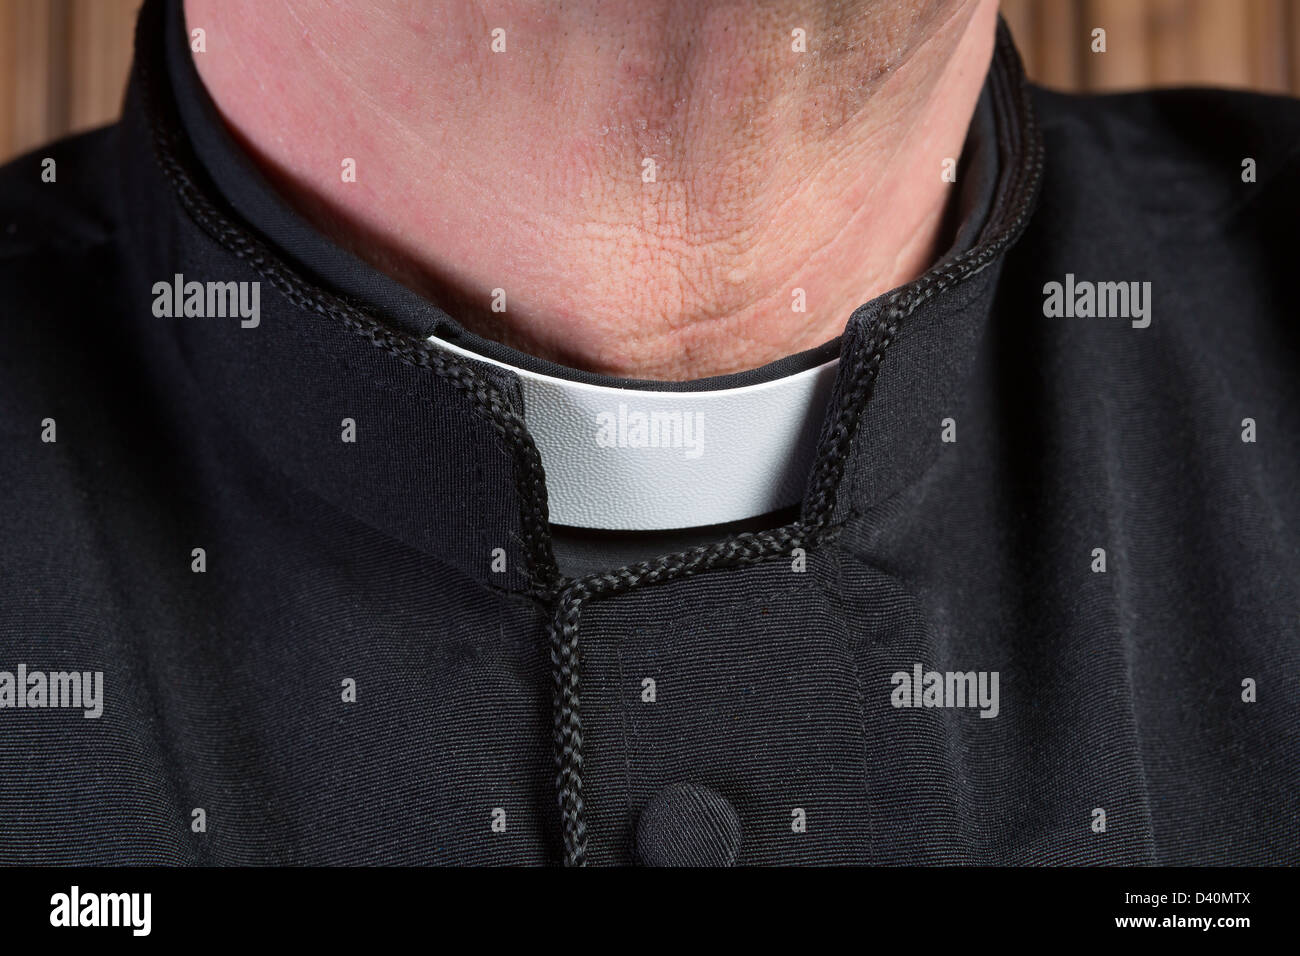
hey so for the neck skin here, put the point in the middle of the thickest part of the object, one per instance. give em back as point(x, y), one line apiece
point(523, 170)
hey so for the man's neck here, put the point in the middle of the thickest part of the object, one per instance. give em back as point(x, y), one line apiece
point(648, 181)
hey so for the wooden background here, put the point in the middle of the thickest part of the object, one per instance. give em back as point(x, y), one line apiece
point(63, 63)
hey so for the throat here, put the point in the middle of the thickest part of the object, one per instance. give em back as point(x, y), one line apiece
point(674, 192)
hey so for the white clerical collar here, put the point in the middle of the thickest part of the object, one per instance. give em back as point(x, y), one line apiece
point(645, 460)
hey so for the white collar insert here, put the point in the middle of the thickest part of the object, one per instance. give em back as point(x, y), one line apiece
point(640, 459)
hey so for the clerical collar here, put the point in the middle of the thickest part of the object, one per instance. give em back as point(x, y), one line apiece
point(641, 459)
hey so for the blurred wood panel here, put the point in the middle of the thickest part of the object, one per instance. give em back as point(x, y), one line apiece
point(63, 67)
point(63, 63)
point(1252, 44)
point(1291, 39)
point(1218, 36)
point(1171, 60)
point(1064, 44)
point(1126, 62)
point(101, 35)
point(1266, 35)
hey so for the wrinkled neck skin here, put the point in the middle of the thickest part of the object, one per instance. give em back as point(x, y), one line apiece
point(649, 181)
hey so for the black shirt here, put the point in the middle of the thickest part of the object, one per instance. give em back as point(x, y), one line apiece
point(1079, 531)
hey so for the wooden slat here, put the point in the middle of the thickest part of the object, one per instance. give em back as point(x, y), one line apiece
point(1266, 38)
point(1292, 11)
point(1124, 65)
point(8, 78)
point(27, 93)
point(100, 42)
point(58, 67)
point(1218, 43)
point(1168, 27)
point(1063, 43)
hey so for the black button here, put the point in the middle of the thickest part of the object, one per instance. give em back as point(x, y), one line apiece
point(688, 825)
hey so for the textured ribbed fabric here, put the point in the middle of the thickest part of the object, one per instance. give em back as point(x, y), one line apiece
point(688, 825)
point(375, 659)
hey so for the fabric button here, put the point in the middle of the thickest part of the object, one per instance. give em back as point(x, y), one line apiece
point(688, 825)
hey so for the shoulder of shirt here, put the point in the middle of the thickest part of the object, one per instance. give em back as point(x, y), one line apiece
point(1179, 151)
point(59, 267)
point(75, 211)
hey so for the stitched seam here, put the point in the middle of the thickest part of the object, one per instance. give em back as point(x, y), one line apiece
point(484, 397)
point(855, 643)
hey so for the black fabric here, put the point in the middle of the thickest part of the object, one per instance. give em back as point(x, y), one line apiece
point(519, 716)
point(583, 551)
